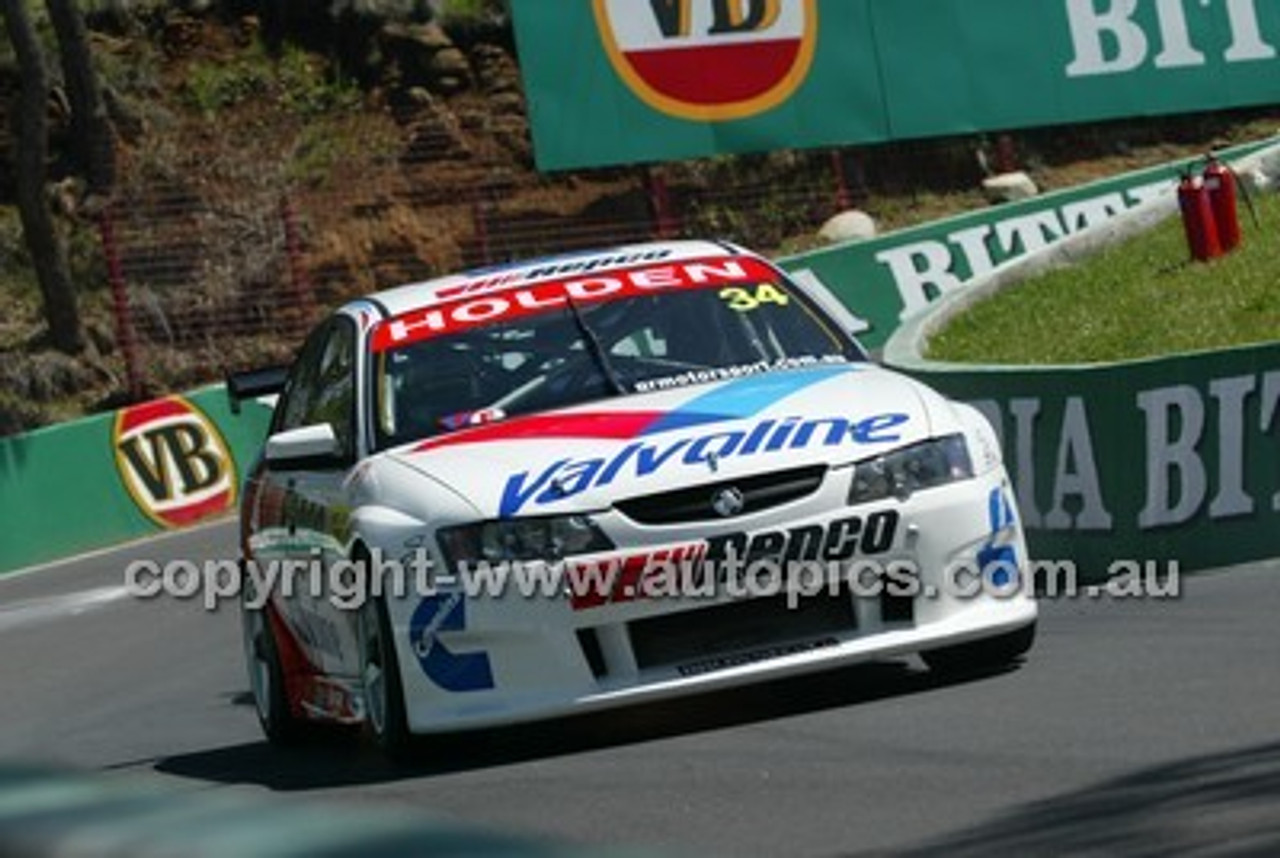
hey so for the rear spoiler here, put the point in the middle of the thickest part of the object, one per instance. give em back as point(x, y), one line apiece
point(252, 383)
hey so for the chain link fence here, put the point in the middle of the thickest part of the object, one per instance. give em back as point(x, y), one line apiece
point(206, 280)
point(228, 265)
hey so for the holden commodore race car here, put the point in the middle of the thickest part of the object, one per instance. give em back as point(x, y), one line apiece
point(605, 478)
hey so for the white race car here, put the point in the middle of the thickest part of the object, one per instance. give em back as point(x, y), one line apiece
point(605, 478)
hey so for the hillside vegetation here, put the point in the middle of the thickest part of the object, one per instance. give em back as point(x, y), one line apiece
point(271, 168)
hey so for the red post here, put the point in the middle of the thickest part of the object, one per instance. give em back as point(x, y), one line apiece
point(665, 223)
point(299, 279)
point(1006, 154)
point(120, 302)
point(480, 225)
point(844, 201)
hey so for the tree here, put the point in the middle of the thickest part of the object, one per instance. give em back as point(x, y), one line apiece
point(90, 129)
point(31, 150)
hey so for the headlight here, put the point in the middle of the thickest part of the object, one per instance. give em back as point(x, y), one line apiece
point(921, 466)
point(523, 539)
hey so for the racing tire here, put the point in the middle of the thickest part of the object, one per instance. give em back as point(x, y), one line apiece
point(380, 678)
point(982, 656)
point(266, 677)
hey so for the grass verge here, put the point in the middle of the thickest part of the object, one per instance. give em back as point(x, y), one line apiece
point(1140, 298)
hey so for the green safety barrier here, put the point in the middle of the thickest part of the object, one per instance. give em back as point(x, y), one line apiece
point(1171, 459)
point(114, 477)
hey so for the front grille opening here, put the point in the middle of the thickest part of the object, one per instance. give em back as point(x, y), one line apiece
point(759, 492)
point(897, 609)
point(589, 641)
point(760, 624)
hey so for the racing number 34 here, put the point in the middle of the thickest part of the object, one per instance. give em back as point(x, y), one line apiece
point(744, 299)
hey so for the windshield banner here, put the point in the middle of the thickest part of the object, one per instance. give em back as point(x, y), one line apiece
point(514, 302)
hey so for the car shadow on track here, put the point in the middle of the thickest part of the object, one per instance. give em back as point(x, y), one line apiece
point(1224, 803)
point(342, 759)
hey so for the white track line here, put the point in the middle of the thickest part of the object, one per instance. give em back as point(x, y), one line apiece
point(56, 607)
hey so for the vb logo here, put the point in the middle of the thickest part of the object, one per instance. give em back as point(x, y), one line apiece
point(173, 462)
point(710, 59)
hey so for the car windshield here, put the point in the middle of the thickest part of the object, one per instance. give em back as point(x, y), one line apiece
point(530, 360)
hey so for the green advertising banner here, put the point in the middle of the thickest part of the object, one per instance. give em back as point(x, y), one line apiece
point(625, 81)
point(109, 478)
point(1173, 459)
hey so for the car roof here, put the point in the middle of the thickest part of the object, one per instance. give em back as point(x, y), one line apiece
point(403, 299)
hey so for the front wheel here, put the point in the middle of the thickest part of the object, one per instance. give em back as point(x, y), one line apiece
point(982, 656)
point(380, 676)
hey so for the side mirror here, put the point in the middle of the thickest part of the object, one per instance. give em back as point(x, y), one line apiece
point(253, 383)
point(305, 448)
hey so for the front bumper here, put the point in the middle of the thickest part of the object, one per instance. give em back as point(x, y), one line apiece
point(472, 661)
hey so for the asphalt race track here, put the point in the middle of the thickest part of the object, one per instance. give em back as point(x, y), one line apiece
point(1136, 727)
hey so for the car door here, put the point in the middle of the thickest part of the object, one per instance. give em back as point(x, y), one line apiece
point(302, 515)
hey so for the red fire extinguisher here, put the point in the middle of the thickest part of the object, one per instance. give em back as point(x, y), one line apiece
point(1220, 184)
point(1197, 217)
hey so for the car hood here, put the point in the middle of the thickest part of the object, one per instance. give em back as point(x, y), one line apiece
point(586, 457)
